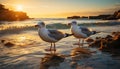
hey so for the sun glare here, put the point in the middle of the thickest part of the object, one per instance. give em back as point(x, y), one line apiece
point(19, 8)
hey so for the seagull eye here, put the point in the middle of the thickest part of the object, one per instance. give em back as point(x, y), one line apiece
point(42, 24)
point(36, 25)
point(74, 23)
point(69, 24)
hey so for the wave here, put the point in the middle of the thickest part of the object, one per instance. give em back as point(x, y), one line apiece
point(17, 29)
point(65, 26)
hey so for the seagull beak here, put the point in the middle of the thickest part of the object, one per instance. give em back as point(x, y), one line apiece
point(69, 24)
point(36, 25)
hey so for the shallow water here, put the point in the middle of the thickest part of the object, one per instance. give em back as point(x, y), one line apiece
point(28, 50)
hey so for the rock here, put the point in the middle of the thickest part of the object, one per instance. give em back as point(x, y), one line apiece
point(89, 40)
point(10, 15)
point(51, 60)
point(79, 53)
point(9, 44)
point(111, 43)
point(96, 42)
point(74, 17)
point(2, 41)
point(115, 16)
point(81, 50)
point(73, 64)
point(84, 17)
point(99, 17)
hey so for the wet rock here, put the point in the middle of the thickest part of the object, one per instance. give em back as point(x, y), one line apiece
point(73, 64)
point(115, 16)
point(9, 44)
point(2, 41)
point(89, 40)
point(51, 60)
point(111, 43)
point(74, 17)
point(81, 50)
point(79, 53)
point(96, 43)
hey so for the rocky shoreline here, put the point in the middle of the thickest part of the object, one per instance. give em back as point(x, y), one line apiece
point(10, 15)
point(111, 43)
point(114, 16)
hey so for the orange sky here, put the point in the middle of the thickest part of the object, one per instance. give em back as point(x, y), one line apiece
point(62, 8)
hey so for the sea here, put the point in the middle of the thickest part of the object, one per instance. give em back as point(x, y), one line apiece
point(22, 48)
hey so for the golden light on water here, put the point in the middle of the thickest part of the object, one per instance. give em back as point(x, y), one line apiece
point(22, 38)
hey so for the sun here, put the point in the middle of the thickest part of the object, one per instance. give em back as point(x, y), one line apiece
point(19, 8)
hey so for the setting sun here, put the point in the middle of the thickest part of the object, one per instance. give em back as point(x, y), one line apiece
point(19, 8)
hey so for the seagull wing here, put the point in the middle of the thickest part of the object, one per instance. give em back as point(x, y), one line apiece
point(85, 30)
point(56, 34)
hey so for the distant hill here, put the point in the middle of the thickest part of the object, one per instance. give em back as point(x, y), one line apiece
point(77, 17)
point(116, 15)
point(10, 15)
point(74, 17)
point(99, 16)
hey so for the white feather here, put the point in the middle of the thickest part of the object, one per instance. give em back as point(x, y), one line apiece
point(43, 33)
point(77, 32)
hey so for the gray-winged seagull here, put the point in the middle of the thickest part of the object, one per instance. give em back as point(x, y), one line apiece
point(51, 36)
point(80, 31)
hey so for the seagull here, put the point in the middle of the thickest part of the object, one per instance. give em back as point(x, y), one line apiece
point(50, 36)
point(80, 32)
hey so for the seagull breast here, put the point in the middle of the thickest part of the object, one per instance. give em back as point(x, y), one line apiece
point(79, 32)
point(50, 35)
point(43, 33)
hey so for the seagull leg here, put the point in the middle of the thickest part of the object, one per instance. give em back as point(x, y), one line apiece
point(82, 42)
point(79, 43)
point(54, 48)
point(51, 48)
point(101, 45)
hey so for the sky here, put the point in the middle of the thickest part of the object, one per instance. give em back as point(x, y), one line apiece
point(62, 8)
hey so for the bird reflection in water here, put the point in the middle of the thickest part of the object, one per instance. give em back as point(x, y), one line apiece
point(51, 61)
point(79, 53)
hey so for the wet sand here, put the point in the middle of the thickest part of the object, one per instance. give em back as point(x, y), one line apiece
point(29, 50)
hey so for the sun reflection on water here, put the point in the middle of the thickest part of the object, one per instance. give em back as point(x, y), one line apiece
point(22, 38)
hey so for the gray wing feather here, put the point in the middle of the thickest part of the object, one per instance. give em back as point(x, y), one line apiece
point(85, 30)
point(56, 34)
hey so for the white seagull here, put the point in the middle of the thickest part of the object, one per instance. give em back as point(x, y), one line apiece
point(51, 36)
point(80, 32)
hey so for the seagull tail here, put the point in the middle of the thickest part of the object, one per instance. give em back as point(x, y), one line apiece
point(95, 32)
point(67, 34)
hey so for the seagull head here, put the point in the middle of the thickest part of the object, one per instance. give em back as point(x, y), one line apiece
point(40, 24)
point(72, 23)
